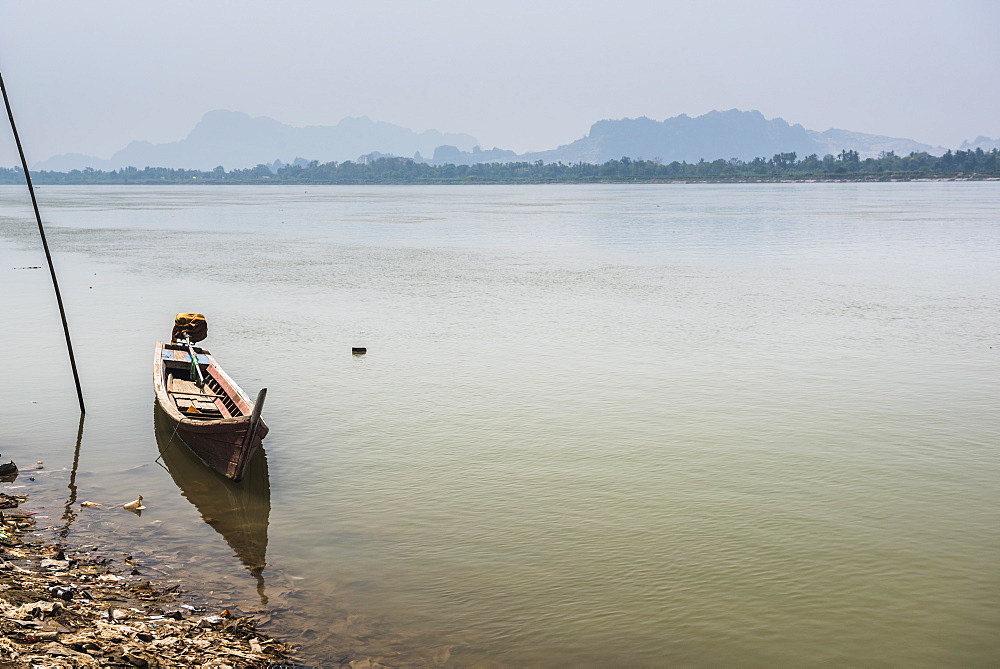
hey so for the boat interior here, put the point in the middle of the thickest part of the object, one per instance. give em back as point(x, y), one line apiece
point(207, 401)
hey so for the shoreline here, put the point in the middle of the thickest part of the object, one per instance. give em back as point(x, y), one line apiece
point(874, 178)
point(63, 606)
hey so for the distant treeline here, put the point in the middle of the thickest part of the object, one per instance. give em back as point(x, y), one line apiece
point(848, 165)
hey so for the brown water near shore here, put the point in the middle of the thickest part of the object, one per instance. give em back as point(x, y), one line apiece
point(304, 615)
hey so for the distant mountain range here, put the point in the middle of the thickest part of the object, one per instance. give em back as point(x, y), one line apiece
point(236, 140)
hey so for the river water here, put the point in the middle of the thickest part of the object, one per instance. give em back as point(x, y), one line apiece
point(678, 425)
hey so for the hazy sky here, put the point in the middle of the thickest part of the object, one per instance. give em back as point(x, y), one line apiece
point(89, 77)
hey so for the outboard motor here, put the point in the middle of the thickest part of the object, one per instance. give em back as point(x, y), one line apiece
point(189, 328)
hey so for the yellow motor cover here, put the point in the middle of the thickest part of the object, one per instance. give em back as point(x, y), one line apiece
point(192, 327)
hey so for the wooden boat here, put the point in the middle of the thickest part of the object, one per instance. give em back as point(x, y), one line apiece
point(209, 411)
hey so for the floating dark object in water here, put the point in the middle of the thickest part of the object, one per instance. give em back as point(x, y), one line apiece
point(358, 350)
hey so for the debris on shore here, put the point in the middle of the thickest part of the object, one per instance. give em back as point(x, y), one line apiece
point(59, 609)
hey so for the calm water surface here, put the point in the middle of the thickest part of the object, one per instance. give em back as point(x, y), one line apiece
point(596, 426)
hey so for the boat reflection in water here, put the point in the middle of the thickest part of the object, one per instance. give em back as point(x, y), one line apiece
point(237, 511)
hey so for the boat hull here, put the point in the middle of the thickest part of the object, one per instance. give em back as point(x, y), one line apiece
point(215, 419)
point(237, 511)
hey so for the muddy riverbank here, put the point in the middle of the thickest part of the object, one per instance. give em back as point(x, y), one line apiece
point(72, 606)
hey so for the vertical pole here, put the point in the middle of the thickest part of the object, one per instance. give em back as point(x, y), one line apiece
point(45, 245)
